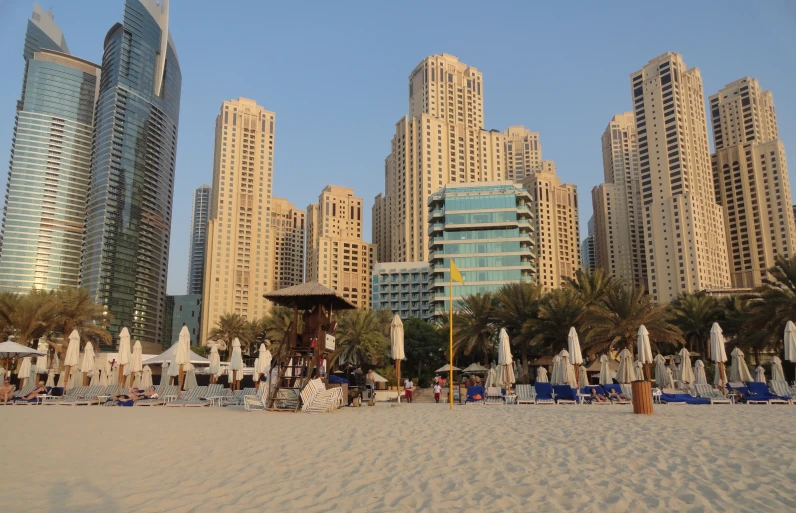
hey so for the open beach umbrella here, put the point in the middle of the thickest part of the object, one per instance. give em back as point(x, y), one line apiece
point(790, 342)
point(446, 368)
point(660, 370)
point(541, 375)
point(699, 373)
point(42, 361)
point(397, 350)
point(50, 378)
point(190, 377)
point(777, 374)
point(236, 364)
point(760, 374)
point(87, 365)
point(24, 371)
point(72, 358)
point(182, 355)
point(739, 371)
point(718, 353)
point(686, 372)
point(136, 362)
point(215, 363)
point(626, 373)
point(146, 377)
point(505, 360)
point(575, 354)
point(644, 351)
point(606, 376)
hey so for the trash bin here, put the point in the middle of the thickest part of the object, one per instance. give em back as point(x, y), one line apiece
point(642, 397)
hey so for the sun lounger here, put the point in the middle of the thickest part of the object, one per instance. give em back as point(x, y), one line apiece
point(253, 402)
point(627, 390)
point(682, 398)
point(585, 394)
point(162, 391)
point(70, 396)
point(19, 401)
point(475, 394)
point(760, 392)
point(25, 391)
point(618, 389)
point(544, 393)
point(87, 398)
point(564, 394)
point(711, 394)
point(493, 396)
point(191, 398)
point(310, 392)
point(781, 388)
point(525, 394)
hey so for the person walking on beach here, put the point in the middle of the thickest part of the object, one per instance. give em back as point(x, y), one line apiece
point(437, 391)
point(409, 386)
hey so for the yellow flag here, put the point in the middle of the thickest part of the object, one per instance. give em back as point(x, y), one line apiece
point(455, 274)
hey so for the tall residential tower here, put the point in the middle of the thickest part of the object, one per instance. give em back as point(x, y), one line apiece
point(287, 229)
point(200, 213)
point(50, 162)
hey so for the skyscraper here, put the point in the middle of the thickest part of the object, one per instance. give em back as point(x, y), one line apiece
point(750, 175)
point(337, 257)
point(287, 229)
point(554, 210)
point(239, 251)
point(684, 226)
point(587, 248)
point(50, 162)
point(128, 219)
point(618, 227)
point(200, 213)
point(523, 153)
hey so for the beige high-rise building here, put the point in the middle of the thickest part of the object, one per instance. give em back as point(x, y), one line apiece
point(557, 232)
point(618, 227)
point(750, 175)
point(684, 226)
point(336, 255)
point(523, 153)
point(287, 230)
point(239, 251)
point(441, 141)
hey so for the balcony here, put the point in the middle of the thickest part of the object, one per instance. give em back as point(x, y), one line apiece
point(436, 227)
point(436, 213)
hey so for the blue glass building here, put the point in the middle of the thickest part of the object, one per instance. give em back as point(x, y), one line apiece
point(402, 288)
point(50, 162)
point(486, 228)
point(128, 219)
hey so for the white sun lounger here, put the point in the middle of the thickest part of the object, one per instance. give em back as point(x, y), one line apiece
point(708, 392)
point(525, 394)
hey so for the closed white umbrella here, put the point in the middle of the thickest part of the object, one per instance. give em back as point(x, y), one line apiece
point(660, 370)
point(639, 368)
point(236, 364)
point(699, 373)
point(146, 377)
point(686, 371)
point(644, 351)
point(567, 370)
point(136, 363)
point(505, 360)
point(760, 374)
point(23, 372)
point(491, 377)
point(190, 377)
point(164, 373)
point(555, 373)
point(174, 372)
point(739, 371)
point(777, 374)
point(625, 373)
point(42, 361)
point(74, 378)
point(261, 364)
point(95, 378)
point(541, 375)
point(215, 363)
point(790, 341)
point(718, 353)
point(397, 351)
point(575, 354)
point(107, 372)
point(584, 379)
point(50, 378)
point(606, 376)
point(182, 355)
point(72, 358)
point(87, 366)
point(673, 369)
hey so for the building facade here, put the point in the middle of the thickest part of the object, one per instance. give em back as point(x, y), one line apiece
point(128, 219)
point(684, 226)
point(402, 288)
point(618, 227)
point(167, 332)
point(556, 232)
point(587, 248)
point(750, 175)
point(44, 211)
point(337, 257)
point(200, 213)
point(487, 229)
point(239, 253)
point(187, 311)
point(523, 153)
point(287, 229)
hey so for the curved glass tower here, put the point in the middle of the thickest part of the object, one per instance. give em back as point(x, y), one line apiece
point(50, 162)
point(128, 218)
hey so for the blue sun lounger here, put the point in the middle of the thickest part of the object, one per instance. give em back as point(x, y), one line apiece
point(565, 394)
point(544, 393)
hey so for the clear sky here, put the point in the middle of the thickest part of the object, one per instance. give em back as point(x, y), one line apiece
point(336, 74)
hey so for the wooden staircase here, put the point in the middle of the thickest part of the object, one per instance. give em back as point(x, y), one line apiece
point(286, 393)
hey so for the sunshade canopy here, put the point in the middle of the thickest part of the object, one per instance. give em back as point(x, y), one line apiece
point(308, 295)
point(13, 350)
point(168, 356)
point(475, 367)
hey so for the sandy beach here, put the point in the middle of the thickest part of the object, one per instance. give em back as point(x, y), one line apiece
point(419, 457)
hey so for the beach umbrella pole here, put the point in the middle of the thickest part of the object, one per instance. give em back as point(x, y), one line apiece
point(85, 379)
point(180, 379)
point(577, 374)
point(68, 372)
point(121, 377)
point(398, 378)
point(722, 374)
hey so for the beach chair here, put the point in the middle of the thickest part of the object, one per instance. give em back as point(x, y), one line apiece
point(254, 402)
point(162, 391)
point(87, 398)
point(70, 396)
point(190, 398)
point(781, 388)
point(54, 400)
point(676, 396)
point(493, 396)
point(618, 389)
point(585, 395)
point(310, 393)
point(564, 394)
point(475, 394)
point(544, 393)
point(13, 394)
point(38, 399)
point(627, 390)
point(711, 394)
point(760, 392)
point(26, 390)
point(525, 394)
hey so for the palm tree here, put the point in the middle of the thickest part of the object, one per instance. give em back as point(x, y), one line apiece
point(613, 325)
point(474, 326)
point(739, 325)
point(231, 326)
point(76, 310)
point(592, 285)
point(559, 310)
point(360, 338)
point(33, 315)
point(8, 303)
point(774, 304)
point(515, 305)
point(695, 314)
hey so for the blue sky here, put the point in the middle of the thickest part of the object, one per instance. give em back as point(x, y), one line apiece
point(335, 73)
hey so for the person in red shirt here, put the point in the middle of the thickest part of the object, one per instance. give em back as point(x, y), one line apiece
point(409, 387)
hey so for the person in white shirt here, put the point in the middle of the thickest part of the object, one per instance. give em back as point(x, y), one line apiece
point(437, 391)
point(409, 386)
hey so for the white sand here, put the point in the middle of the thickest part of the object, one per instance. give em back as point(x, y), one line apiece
point(418, 457)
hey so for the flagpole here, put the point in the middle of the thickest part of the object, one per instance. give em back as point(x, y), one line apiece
point(450, 324)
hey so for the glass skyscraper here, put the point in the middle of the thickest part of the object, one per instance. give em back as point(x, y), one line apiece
point(128, 219)
point(200, 213)
point(485, 227)
point(50, 163)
